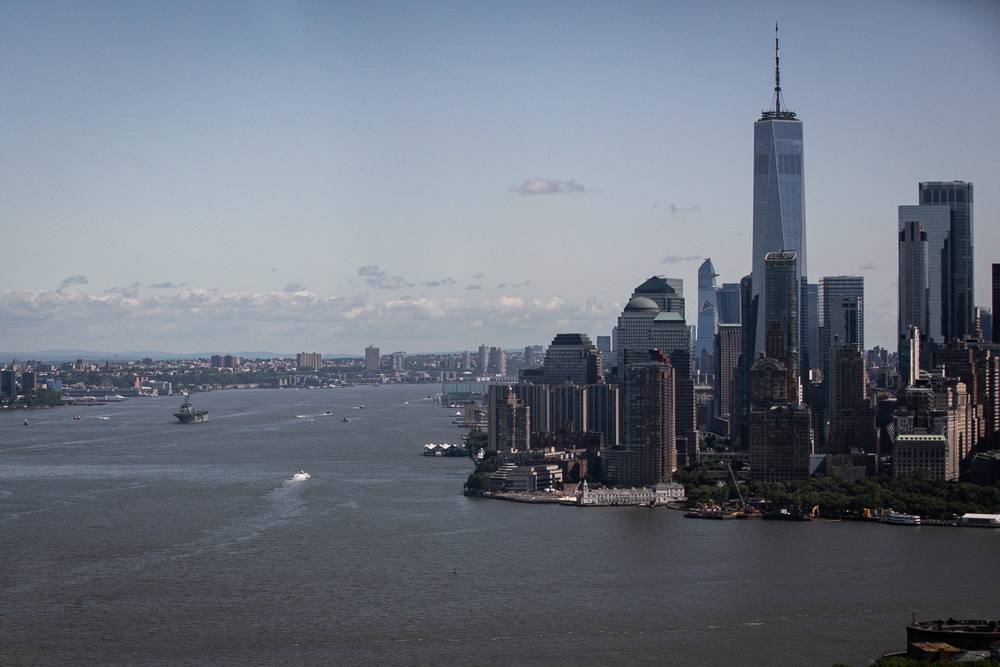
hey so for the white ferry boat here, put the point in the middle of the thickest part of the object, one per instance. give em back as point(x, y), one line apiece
point(901, 519)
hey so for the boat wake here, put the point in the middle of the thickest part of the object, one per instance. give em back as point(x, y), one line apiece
point(300, 476)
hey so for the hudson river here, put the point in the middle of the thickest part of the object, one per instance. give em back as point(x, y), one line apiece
point(129, 539)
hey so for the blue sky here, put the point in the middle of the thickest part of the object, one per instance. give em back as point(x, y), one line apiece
point(218, 176)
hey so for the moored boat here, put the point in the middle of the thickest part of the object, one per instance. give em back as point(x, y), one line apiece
point(900, 519)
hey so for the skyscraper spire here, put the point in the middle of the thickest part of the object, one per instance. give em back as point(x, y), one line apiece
point(777, 101)
point(777, 72)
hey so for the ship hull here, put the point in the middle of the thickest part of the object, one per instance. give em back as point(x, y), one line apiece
point(191, 418)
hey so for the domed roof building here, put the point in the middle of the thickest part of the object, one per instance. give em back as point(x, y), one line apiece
point(641, 303)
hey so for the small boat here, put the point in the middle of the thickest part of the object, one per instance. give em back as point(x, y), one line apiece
point(27, 423)
point(77, 417)
point(345, 420)
point(301, 476)
point(361, 407)
point(327, 413)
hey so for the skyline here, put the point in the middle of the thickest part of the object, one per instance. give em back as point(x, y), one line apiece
point(428, 177)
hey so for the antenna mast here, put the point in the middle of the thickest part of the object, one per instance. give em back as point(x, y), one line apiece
point(776, 111)
point(777, 73)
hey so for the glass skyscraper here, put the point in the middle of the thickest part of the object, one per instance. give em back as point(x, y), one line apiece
point(935, 265)
point(708, 317)
point(779, 214)
point(957, 307)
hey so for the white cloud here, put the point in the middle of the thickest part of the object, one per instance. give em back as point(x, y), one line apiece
point(547, 186)
point(674, 259)
point(200, 320)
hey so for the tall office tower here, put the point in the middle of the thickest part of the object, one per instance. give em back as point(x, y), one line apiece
point(372, 359)
point(945, 210)
point(996, 302)
point(708, 318)
point(649, 417)
point(28, 383)
point(670, 334)
point(914, 295)
point(779, 212)
point(666, 293)
point(842, 320)
point(852, 424)
point(572, 358)
point(466, 361)
point(602, 412)
point(740, 400)
point(779, 433)
point(634, 325)
point(959, 278)
point(727, 357)
point(841, 312)
point(781, 303)
point(607, 356)
point(484, 359)
point(809, 355)
point(538, 400)
point(985, 318)
point(569, 408)
point(509, 420)
point(497, 363)
point(909, 365)
point(8, 385)
point(728, 298)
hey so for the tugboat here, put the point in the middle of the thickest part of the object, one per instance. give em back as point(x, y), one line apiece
point(188, 415)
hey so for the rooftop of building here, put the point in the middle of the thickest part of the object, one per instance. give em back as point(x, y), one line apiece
point(641, 303)
point(575, 339)
point(655, 285)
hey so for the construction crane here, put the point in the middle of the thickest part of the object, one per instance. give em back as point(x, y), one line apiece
point(743, 503)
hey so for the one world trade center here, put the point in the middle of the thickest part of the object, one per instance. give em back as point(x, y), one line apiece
point(779, 213)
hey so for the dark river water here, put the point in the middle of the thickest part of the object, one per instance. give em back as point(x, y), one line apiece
point(129, 539)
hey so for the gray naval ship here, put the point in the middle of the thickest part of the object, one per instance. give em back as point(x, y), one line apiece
point(188, 415)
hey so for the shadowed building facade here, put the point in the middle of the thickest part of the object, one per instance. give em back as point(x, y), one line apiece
point(648, 454)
